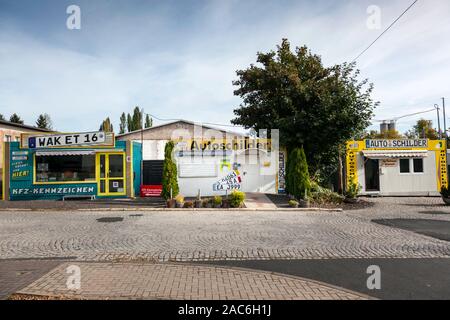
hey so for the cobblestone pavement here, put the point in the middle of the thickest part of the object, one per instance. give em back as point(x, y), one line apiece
point(219, 235)
point(175, 281)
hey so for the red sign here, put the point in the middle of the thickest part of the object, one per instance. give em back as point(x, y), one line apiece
point(151, 190)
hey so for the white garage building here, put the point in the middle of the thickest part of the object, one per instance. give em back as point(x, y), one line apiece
point(209, 160)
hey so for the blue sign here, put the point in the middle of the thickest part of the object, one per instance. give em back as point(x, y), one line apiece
point(32, 142)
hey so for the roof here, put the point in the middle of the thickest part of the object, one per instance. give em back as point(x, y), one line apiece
point(177, 121)
point(22, 126)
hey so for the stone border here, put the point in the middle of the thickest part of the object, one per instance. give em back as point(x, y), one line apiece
point(171, 209)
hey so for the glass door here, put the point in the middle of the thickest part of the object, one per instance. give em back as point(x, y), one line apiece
point(111, 174)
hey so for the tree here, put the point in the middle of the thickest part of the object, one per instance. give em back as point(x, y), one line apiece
point(137, 119)
point(297, 175)
point(2, 117)
point(107, 126)
point(130, 125)
point(44, 122)
point(313, 106)
point(148, 121)
point(15, 119)
point(123, 123)
point(169, 175)
point(423, 129)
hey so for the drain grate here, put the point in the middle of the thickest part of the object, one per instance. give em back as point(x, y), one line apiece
point(110, 219)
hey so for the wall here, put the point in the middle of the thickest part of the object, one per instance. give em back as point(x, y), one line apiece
point(392, 182)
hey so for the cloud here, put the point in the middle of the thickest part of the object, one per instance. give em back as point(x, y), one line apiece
point(178, 60)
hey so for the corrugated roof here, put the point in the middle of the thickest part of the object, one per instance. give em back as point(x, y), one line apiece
point(377, 154)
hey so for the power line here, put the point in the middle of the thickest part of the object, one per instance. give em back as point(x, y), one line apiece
point(386, 30)
point(209, 123)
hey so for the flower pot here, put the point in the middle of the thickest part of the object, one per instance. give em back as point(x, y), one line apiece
point(225, 204)
point(303, 204)
point(446, 200)
point(170, 203)
point(198, 203)
point(179, 204)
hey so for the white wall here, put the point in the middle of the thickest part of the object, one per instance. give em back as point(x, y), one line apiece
point(258, 175)
point(394, 183)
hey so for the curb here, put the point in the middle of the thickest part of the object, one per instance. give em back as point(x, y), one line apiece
point(172, 209)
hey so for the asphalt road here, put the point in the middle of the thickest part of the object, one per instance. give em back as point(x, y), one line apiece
point(400, 278)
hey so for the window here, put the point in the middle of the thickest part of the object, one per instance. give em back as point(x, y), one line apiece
point(73, 168)
point(7, 138)
point(17, 139)
point(418, 165)
point(404, 166)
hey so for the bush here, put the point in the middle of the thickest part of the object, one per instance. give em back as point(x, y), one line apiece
point(188, 204)
point(169, 175)
point(217, 200)
point(297, 175)
point(237, 198)
point(352, 190)
point(293, 203)
point(179, 198)
point(321, 195)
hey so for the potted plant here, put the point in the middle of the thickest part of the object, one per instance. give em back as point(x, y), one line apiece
point(171, 203)
point(188, 204)
point(293, 203)
point(179, 201)
point(207, 203)
point(445, 194)
point(351, 194)
point(304, 202)
point(198, 201)
point(217, 200)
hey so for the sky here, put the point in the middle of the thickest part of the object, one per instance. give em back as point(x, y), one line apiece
point(177, 59)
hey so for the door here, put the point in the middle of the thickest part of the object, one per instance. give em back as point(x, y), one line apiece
point(372, 174)
point(111, 174)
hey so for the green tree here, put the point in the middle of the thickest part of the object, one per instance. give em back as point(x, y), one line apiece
point(130, 125)
point(123, 123)
point(297, 176)
point(148, 121)
point(107, 126)
point(313, 106)
point(44, 122)
point(15, 119)
point(137, 119)
point(423, 129)
point(2, 117)
point(169, 175)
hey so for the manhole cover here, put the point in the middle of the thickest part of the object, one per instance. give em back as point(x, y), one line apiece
point(110, 219)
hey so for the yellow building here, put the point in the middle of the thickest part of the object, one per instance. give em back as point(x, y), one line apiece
point(397, 167)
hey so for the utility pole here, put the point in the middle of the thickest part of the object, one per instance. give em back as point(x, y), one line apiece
point(445, 123)
point(439, 121)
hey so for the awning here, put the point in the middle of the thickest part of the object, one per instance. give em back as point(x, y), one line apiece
point(65, 153)
point(388, 154)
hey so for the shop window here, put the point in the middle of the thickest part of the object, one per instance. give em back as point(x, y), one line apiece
point(69, 168)
point(418, 165)
point(404, 166)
